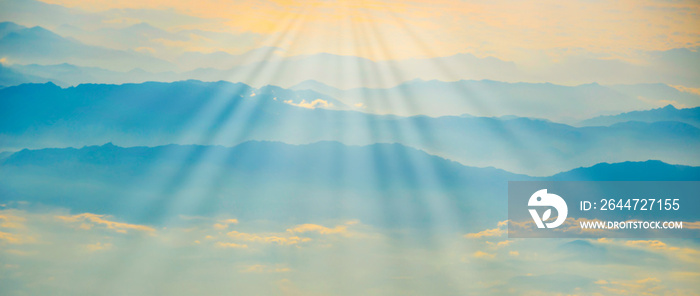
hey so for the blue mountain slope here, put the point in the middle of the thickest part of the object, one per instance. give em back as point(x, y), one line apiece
point(560, 103)
point(221, 113)
point(149, 107)
point(650, 170)
point(256, 180)
point(259, 180)
point(659, 91)
point(35, 41)
point(9, 77)
point(669, 113)
point(304, 161)
point(9, 27)
point(67, 75)
point(38, 45)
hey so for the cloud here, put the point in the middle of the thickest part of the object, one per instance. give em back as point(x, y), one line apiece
point(145, 49)
point(293, 235)
point(231, 245)
point(691, 225)
point(88, 220)
point(654, 244)
point(14, 238)
point(407, 29)
point(19, 252)
point(278, 239)
point(312, 105)
point(644, 286)
point(500, 230)
point(261, 268)
point(230, 221)
point(672, 102)
point(691, 90)
point(98, 246)
point(647, 280)
point(677, 252)
point(482, 254)
point(340, 229)
point(486, 233)
point(11, 221)
point(207, 267)
point(500, 244)
point(661, 246)
point(223, 224)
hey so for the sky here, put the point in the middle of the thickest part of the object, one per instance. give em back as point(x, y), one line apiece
point(354, 147)
point(509, 30)
point(569, 43)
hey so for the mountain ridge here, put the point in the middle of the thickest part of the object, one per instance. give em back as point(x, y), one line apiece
point(224, 113)
point(689, 116)
point(554, 102)
point(659, 168)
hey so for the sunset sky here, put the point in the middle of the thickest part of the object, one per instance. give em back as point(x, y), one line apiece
point(352, 147)
point(509, 30)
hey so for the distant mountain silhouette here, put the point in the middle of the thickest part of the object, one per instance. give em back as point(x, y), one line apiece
point(30, 46)
point(38, 45)
point(314, 158)
point(66, 75)
point(222, 113)
point(494, 98)
point(263, 179)
point(663, 93)
point(650, 170)
point(9, 27)
point(310, 161)
point(669, 113)
point(668, 66)
point(9, 77)
point(256, 179)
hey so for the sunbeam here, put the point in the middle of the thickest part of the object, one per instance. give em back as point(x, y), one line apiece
point(373, 147)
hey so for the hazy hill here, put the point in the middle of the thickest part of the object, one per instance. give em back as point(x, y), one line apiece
point(272, 180)
point(67, 75)
point(9, 27)
point(9, 77)
point(222, 113)
point(669, 113)
point(117, 53)
point(650, 170)
point(255, 180)
point(560, 103)
point(37, 45)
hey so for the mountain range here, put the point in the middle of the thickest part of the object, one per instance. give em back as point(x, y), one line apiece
point(669, 113)
point(9, 77)
point(24, 45)
point(567, 104)
point(260, 180)
point(161, 52)
point(494, 98)
point(222, 113)
point(38, 46)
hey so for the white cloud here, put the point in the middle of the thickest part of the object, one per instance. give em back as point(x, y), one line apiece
point(318, 103)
